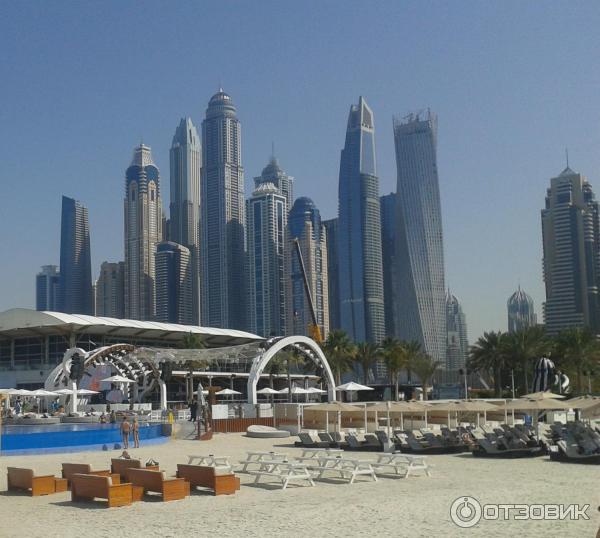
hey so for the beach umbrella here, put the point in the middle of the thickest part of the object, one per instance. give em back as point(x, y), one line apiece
point(227, 392)
point(79, 392)
point(267, 390)
point(315, 390)
point(542, 395)
point(295, 390)
point(352, 387)
point(117, 379)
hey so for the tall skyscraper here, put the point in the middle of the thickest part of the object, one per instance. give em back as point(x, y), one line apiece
point(359, 233)
point(267, 222)
point(143, 230)
point(184, 224)
point(457, 343)
point(571, 233)
point(223, 218)
point(47, 283)
point(520, 311)
point(419, 298)
point(333, 281)
point(174, 285)
point(388, 257)
point(75, 289)
point(273, 173)
point(304, 225)
point(110, 290)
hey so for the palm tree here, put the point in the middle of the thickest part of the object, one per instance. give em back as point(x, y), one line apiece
point(367, 355)
point(578, 349)
point(394, 355)
point(487, 355)
point(340, 352)
point(193, 341)
point(412, 350)
point(521, 348)
point(425, 367)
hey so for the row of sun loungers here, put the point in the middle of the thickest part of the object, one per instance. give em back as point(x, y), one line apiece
point(574, 442)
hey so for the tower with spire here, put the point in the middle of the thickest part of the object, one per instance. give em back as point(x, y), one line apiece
point(457, 350)
point(521, 314)
point(273, 173)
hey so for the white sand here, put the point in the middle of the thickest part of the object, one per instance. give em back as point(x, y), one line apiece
point(415, 506)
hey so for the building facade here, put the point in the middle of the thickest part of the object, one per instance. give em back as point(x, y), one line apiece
point(457, 344)
point(110, 290)
point(267, 223)
point(222, 214)
point(305, 227)
point(359, 231)
point(184, 223)
point(174, 274)
point(571, 235)
point(333, 282)
point(388, 259)
point(143, 230)
point(419, 290)
point(521, 314)
point(47, 283)
point(75, 293)
point(273, 173)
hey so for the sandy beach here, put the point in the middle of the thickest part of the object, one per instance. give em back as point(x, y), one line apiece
point(413, 506)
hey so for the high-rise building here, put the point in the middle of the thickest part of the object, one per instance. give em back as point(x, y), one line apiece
point(143, 230)
point(359, 231)
point(273, 173)
point(184, 224)
point(110, 290)
point(75, 294)
point(419, 291)
point(267, 222)
point(333, 281)
point(521, 314)
point(457, 343)
point(305, 226)
point(388, 259)
point(47, 282)
point(173, 283)
point(223, 219)
point(571, 234)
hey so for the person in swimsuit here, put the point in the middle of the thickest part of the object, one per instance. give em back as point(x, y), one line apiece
point(135, 427)
point(125, 429)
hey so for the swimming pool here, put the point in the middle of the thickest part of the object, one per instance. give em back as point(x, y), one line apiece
point(18, 440)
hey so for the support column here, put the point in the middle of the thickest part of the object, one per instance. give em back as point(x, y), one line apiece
point(73, 397)
point(163, 394)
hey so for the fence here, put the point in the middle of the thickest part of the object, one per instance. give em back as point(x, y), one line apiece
point(233, 425)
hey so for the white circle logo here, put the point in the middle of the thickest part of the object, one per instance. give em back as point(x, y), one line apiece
point(465, 512)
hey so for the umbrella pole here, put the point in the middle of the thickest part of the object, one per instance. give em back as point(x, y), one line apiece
point(366, 420)
point(326, 421)
point(402, 421)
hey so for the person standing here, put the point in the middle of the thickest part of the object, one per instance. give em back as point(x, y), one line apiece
point(135, 428)
point(193, 410)
point(125, 429)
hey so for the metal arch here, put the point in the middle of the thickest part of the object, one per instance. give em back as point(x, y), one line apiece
point(261, 361)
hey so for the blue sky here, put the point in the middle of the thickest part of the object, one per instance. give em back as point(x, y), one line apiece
point(513, 83)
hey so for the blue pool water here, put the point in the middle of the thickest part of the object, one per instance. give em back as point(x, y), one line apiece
point(69, 437)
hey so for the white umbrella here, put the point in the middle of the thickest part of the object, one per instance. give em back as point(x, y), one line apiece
point(118, 379)
point(80, 392)
point(227, 392)
point(267, 390)
point(43, 392)
point(352, 387)
point(315, 390)
point(20, 392)
point(295, 390)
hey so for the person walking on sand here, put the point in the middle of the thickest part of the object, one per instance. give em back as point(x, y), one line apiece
point(125, 429)
point(135, 427)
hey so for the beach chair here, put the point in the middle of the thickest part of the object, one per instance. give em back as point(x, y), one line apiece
point(307, 441)
point(325, 437)
point(219, 479)
point(355, 444)
point(69, 469)
point(386, 444)
point(156, 482)
point(87, 487)
point(18, 478)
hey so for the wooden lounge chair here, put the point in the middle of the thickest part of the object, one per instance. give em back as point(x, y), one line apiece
point(69, 469)
point(219, 478)
point(171, 489)
point(24, 479)
point(87, 487)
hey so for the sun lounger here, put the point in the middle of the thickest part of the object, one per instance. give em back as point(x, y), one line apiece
point(307, 440)
point(69, 469)
point(401, 464)
point(218, 478)
point(171, 489)
point(283, 472)
point(354, 444)
point(325, 437)
point(90, 487)
point(24, 479)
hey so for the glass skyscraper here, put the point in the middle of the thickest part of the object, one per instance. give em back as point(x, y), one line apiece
point(388, 258)
point(184, 226)
point(47, 283)
point(273, 173)
point(521, 314)
point(75, 292)
point(419, 298)
point(457, 343)
point(359, 231)
point(223, 218)
point(333, 282)
point(173, 283)
point(110, 290)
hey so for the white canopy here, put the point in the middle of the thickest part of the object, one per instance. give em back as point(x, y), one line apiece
point(227, 392)
point(267, 390)
point(42, 392)
point(295, 390)
point(315, 390)
point(352, 387)
point(80, 392)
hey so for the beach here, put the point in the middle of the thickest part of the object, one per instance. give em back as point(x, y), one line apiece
point(414, 506)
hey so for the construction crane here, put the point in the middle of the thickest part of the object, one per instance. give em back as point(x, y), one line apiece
point(313, 328)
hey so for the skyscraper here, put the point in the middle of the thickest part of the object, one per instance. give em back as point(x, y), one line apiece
point(47, 282)
point(304, 225)
point(143, 230)
point(75, 294)
point(359, 233)
point(333, 281)
point(110, 290)
point(520, 311)
point(419, 298)
point(173, 283)
point(571, 234)
point(457, 343)
point(184, 224)
point(267, 222)
point(273, 173)
point(388, 259)
point(223, 218)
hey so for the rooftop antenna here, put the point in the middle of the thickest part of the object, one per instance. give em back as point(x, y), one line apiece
point(273, 150)
point(567, 156)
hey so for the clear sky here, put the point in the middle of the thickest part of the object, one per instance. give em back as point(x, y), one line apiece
point(513, 83)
